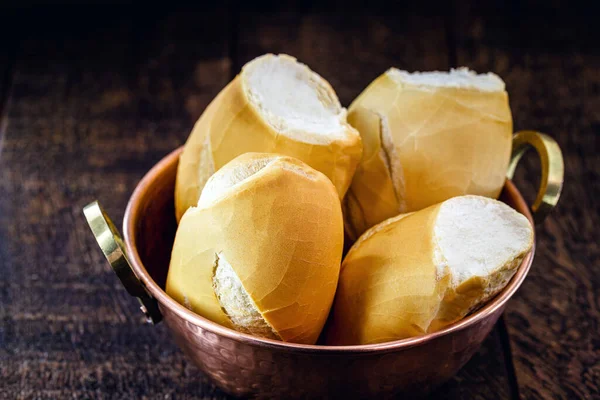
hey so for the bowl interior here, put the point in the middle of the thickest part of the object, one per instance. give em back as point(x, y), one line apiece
point(150, 228)
point(155, 224)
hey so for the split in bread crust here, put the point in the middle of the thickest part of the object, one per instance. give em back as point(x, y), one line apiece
point(427, 137)
point(261, 252)
point(418, 272)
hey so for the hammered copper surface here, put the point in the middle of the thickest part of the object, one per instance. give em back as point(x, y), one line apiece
point(245, 368)
point(248, 366)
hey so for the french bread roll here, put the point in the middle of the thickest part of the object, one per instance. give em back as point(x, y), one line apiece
point(427, 137)
point(261, 252)
point(416, 273)
point(275, 105)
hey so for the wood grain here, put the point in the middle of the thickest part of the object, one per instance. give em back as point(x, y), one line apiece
point(94, 104)
point(82, 109)
point(88, 105)
point(550, 63)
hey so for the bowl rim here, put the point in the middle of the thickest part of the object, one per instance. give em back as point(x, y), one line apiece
point(131, 214)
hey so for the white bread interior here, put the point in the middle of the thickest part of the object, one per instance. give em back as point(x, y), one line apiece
point(462, 78)
point(236, 303)
point(225, 182)
point(261, 252)
point(275, 105)
point(416, 273)
point(295, 101)
point(427, 137)
point(475, 235)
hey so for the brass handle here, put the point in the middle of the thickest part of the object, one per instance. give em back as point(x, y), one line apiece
point(111, 244)
point(553, 169)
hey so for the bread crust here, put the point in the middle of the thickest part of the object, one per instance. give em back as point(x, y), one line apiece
point(281, 230)
point(443, 142)
point(232, 125)
point(391, 287)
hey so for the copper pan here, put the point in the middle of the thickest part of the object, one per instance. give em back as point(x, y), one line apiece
point(245, 365)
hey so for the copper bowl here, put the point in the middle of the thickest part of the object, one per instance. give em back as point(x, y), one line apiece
point(245, 365)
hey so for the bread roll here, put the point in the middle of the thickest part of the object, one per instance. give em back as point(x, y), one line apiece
point(427, 137)
point(262, 251)
point(417, 273)
point(275, 105)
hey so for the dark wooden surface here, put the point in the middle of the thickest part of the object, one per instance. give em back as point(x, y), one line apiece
point(91, 98)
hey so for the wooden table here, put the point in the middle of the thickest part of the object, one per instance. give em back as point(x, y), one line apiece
point(91, 98)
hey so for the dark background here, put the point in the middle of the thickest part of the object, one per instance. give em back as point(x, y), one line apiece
point(91, 96)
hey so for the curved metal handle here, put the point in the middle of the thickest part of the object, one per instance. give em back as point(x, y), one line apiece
point(112, 246)
point(552, 169)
